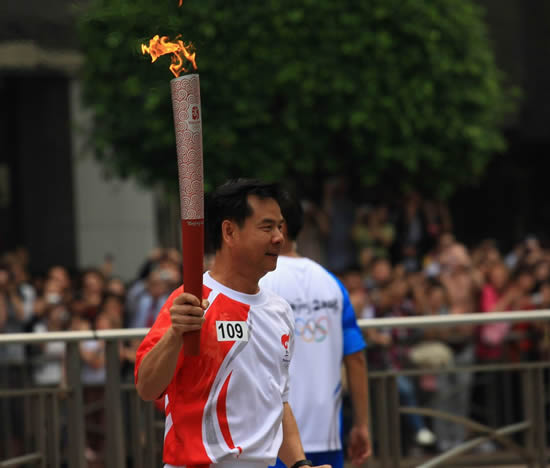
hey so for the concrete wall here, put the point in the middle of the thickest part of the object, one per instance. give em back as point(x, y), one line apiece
point(112, 216)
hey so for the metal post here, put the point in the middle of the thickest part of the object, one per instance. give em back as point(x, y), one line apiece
point(527, 392)
point(382, 422)
point(508, 397)
point(5, 421)
point(115, 434)
point(394, 421)
point(150, 437)
point(25, 403)
point(492, 385)
point(136, 427)
point(52, 422)
point(75, 416)
point(540, 412)
point(41, 433)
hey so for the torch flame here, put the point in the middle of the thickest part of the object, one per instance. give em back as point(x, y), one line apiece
point(161, 46)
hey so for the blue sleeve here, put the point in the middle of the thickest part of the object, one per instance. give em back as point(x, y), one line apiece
point(353, 338)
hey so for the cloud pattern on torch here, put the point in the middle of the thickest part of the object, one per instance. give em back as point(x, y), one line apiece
point(188, 127)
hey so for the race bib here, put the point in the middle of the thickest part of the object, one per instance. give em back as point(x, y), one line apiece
point(231, 331)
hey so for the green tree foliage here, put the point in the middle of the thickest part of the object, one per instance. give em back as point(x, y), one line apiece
point(405, 91)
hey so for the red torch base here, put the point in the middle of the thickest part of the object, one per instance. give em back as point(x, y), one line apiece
point(192, 232)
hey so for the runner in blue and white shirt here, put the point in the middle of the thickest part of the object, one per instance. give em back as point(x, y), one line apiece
point(326, 335)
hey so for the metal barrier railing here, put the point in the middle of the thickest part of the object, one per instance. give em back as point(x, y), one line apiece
point(45, 442)
point(135, 424)
point(388, 411)
point(533, 390)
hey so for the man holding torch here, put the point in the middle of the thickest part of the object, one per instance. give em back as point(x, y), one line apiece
point(228, 405)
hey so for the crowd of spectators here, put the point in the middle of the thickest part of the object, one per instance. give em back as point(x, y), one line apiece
point(394, 260)
point(404, 260)
point(61, 300)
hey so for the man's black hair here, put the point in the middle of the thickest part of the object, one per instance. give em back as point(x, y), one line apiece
point(230, 201)
point(293, 214)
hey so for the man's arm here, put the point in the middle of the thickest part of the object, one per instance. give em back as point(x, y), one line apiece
point(359, 447)
point(291, 449)
point(158, 366)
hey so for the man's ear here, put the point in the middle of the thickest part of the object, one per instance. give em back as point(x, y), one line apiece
point(229, 231)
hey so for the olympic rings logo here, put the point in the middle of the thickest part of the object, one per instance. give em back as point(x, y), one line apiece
point(312, 330)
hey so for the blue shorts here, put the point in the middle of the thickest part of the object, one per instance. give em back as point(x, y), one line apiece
point(333, 457)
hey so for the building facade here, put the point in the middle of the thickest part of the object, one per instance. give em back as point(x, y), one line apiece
point(55, 199)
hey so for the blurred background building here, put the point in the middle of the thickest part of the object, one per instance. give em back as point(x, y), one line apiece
point(508, 201)
point(54, 197)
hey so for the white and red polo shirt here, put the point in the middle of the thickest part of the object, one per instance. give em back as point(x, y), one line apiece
point(226, 405)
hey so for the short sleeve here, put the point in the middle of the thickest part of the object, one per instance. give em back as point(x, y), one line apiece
point(353, 338)
point(157, 331)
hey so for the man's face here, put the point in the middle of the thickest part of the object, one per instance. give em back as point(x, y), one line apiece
point(258, 242)
point(61, 275)
point(156, 284)
point(93, 283)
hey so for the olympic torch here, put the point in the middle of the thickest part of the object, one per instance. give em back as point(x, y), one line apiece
point(186, 106)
